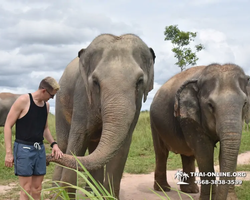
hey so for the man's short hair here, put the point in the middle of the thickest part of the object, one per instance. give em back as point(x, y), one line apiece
point(49, 84)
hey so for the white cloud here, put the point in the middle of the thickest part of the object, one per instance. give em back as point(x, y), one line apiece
point(213, 36)
point(17, 90)
point(39, 38)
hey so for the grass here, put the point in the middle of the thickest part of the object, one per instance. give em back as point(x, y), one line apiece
point(243, 167)
point(243, 191)
point(141, 157)
point(98, 191)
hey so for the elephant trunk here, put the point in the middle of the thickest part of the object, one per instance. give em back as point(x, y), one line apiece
point(228, 160)
point(230, 139)
point(117, 124)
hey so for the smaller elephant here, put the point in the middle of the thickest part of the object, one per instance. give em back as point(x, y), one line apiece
point(189, 114)
point(6, 101)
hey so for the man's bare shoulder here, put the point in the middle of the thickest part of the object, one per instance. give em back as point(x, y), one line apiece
point(22, 100)
point(17, 108)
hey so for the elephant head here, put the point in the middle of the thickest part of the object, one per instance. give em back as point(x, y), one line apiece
point(117, 72)
point(215, 104)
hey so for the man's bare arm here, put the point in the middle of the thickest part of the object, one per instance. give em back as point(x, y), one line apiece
point(13, 115)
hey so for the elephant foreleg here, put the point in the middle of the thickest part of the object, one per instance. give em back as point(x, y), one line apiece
point(57, 175)
point(161, 155)
point(62, 130)
point(203, 148)
point(77, 146)
point(189, 166)
point(115, 167)
point(98, 175)
point(204, 155)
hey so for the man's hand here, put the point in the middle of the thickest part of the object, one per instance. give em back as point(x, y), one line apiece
point(56, 152)
point(9, 160)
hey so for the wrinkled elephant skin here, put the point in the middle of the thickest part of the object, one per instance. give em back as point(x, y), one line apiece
point(193, 111)
point(247, 118)
point(98, 105)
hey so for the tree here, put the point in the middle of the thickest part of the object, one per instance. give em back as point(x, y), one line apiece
point(180, 41)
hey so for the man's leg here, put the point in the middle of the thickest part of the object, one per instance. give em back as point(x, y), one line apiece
point(25, 183)
point(38, 173)
point(36, 186)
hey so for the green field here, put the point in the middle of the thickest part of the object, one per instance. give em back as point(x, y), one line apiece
point(140, 159)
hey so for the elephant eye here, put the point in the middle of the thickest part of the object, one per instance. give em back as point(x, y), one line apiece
point(139, 82)
point(211, 107)
point(245, 103)
point(96, 82)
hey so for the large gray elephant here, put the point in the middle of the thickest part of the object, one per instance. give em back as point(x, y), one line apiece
point(98, 105)
point(6, 101)
point(189, 114)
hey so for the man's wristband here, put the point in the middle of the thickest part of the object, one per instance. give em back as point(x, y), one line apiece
point(52, 144)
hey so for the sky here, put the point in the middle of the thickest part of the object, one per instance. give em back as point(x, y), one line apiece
point(39, 38)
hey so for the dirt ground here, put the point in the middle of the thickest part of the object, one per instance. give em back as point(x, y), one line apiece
point(139, 186)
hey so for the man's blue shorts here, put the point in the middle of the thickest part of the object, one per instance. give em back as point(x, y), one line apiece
point(29, 160)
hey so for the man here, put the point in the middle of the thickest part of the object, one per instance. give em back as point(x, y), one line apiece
point(29, 113)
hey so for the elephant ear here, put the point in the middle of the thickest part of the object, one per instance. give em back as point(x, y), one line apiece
point(83, 70)
point(186, 105)
point(81, 52)
point(153, 54)
point(150, 82)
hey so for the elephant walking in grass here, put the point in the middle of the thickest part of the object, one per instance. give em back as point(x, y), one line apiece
point(193, 111)
point(98, 105)
point(6, 101)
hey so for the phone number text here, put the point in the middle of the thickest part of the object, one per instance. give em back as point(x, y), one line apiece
point(218, 182)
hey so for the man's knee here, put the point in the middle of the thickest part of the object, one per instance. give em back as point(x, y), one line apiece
point(37, 183)
point(25, 185)
point(36, 188)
